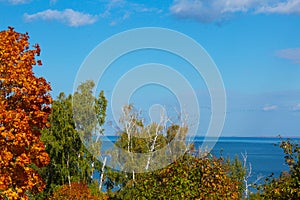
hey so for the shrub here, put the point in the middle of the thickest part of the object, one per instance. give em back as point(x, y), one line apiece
point(187, 178)
point(76, 191)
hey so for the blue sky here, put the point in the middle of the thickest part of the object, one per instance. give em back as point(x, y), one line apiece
point(254, 43)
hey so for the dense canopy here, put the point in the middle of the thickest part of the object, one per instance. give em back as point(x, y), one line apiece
point(24, 110)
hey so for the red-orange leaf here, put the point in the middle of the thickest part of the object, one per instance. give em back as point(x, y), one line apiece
point(24, 111)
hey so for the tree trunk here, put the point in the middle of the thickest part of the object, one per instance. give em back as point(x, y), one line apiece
point(69, 178)
point(151, 150)
point(92, 175)
point(133, 177)
point(102, 175)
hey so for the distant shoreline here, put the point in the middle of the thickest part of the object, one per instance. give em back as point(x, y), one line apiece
point(271, 137)
point(266, 139)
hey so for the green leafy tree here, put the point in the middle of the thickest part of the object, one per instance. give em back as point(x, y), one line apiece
point(63, 145)
point(70, 159)
point(160, 143)
point(144, 147)
point(89, 115)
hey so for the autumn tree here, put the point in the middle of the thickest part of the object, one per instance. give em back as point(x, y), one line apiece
point(24, 110)
point(189, 177)
point(78, 191)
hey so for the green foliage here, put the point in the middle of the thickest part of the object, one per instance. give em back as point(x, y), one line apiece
point(69, 174)
point(287, 186)
point(142, 147)
point(89, 115)
point(62, 143)
point(70, 159)
point(187, 178)
point(85, 117)
point(237, 172)
point(100, 109)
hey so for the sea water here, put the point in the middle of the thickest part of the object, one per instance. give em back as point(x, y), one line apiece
point(263, 154)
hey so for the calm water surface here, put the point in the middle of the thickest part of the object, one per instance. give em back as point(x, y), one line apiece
point(263, 154)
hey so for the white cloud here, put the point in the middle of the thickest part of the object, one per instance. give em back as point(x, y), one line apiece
point(285, 7)
point(292, 54)
point(16, 2)
point(196, 10)
point(116, 11)
point(124, 9)
point(218, 10)
point(67, 16)
point(270, 107)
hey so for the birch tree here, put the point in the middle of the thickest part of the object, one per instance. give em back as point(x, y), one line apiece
point(89, 114)
point(143, 147)
point(63, 145)
point(71, 160)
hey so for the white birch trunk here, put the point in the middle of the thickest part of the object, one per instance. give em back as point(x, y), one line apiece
point(161, 123)
point(102, 175)
point(133, 176)
point(69, 178)
point(92, 175)
point(151, 150)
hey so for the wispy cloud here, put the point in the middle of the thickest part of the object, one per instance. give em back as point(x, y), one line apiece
point(292, 54)
point(270, 107)
point(124, 9)
point(116, 11)
point(120, 19)
point(16, 2)
point(219, 10)
point(285, 7)
point(67, 16)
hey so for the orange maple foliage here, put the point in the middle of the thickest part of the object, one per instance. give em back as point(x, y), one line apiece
point(76, 191)
point(24, 109)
